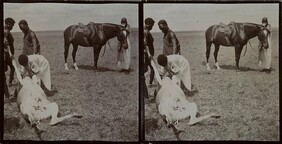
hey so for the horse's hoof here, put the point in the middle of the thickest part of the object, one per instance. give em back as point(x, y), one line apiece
point(217, 66)
point(76, 68)
point(66, 68)
point(95, 70)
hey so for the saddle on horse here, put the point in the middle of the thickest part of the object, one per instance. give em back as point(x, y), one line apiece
point(228, 30)
point(87, 31)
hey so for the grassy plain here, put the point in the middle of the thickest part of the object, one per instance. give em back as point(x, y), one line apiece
point(108, 100)
point(248, 101)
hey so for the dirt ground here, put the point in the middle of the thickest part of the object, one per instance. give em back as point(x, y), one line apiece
point(248, 101)
point(108, 100)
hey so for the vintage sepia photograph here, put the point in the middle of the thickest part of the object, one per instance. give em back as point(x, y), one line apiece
point(211, 71)
point(104, 0)
point(71, 71)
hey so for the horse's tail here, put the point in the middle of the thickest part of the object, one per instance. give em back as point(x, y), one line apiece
point(247, 47)
point(67, 40)
point(105, 48)
point(68, 34)
point(209, 35)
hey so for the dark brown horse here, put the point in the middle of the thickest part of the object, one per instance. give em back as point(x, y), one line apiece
point(92, 35)
point(234, 34)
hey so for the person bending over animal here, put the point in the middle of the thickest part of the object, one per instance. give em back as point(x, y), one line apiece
point(37, 65)
point(176, 65)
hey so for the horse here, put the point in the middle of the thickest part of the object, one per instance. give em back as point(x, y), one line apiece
point(92, 35)
point(234, 34)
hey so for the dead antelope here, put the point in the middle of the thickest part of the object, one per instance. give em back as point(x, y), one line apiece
point(34, 105)
point(173, 105)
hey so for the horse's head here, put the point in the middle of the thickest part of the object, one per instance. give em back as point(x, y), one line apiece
point(122, 37)
point(263, 36)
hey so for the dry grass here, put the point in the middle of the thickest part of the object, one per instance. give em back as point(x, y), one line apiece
point(108, 100)
point(247, 101)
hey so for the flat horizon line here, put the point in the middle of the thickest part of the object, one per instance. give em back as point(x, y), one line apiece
point(134, 28)
point(273, 28)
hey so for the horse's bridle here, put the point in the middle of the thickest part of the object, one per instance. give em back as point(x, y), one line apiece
point(119, 34)
point(263, 38)
point(261, 32)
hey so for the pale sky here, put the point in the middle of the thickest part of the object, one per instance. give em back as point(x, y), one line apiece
point(57, 16)
point(185, 17)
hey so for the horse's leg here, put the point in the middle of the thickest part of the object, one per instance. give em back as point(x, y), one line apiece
point(208, 49)
point(73, 55)
point(66, 52)
point(96, 52)
point(238, 50)
point(215, 56)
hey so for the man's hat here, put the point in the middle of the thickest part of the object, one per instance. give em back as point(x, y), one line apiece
point(9, 21)
point(162, 22)
point(264, 20)
point(23, 22)
point(123, 20)
point(149, 21)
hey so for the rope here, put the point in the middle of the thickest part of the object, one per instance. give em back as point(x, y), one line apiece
point(16, 69)
point(250, 45)
point(38, 132)
point(245, 50)
point(104, 49)
point(157, 75)
point(247, 47)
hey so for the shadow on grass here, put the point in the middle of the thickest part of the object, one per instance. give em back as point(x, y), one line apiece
point(233, 67)
point(11, 124)
point(100, 69)
point(151, 125)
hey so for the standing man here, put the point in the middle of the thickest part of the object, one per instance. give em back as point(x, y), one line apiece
point(149, 43)
point(265, 54)
point(148, 47)
point(170, 42)
point(9, 44)
point(124, 54)
point(31, 43)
